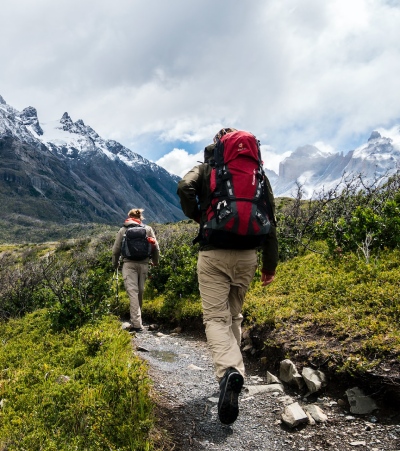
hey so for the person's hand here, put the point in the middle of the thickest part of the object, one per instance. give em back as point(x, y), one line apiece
point(266, 279)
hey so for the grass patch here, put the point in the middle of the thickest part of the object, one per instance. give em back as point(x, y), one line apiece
point(172, 311)
point(40, 231)
point(345, 307)
point(81, 390)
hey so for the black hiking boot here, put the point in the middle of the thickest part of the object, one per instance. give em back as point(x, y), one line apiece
point(228, 406)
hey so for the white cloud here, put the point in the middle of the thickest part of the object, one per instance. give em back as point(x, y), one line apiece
point(295, 72)
point(191, 131)
point(179, 161)
point(325, 148)
point(393, 133)
point(272, 159)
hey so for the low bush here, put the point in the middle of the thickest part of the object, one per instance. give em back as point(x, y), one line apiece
point(21, 287)
point(72, 390)
point(351, 217)
point(74, 280)
point(40, 231)
point(175, 276)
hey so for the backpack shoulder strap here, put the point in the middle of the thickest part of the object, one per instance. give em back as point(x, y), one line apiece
point(218, 153)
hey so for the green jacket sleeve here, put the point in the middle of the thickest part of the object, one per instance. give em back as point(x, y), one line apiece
point(188, 190)
point(270, 252)
point(116, 250)
point(155, 248)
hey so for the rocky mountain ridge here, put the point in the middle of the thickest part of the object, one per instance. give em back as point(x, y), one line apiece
point(64, 171)
point(315, 170)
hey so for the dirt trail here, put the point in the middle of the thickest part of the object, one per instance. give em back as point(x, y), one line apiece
point(181, 368)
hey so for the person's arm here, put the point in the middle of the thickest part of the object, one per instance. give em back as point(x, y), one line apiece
point(270, 245)
point(269, 257)
point(155, 249)
point(188, 190)
point(116, 250)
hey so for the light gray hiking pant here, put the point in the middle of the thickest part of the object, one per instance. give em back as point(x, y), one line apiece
point(135, 274)
point(224, 277)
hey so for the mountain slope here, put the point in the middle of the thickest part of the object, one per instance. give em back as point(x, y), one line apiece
point(316, 170)
point(65, 172)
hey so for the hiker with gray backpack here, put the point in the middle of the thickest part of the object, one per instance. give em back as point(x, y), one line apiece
point(231, 198)
point(136, 247)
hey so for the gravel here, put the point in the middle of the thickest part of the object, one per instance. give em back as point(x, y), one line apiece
point(186, 394)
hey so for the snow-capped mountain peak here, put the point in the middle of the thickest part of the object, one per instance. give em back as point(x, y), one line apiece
point(65, 137)
point(310, 151)
point(315, 169)
point(378, 149)
point(77, 127)
point(71, 138)
point(69, 167)
point(30, 120)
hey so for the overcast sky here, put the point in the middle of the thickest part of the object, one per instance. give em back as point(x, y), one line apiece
point(162, 77)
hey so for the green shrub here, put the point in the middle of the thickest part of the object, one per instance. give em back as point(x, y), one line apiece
point(21, 285)
point(352, 217)
point(175, 276)
point(172, 310)
point(81, 296)
point(74, 281)
point(81, 390)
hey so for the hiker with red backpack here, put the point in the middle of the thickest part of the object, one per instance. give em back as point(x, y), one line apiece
point(135, 245)
point(231, 198)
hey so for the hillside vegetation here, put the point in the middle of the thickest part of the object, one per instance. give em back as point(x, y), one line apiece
point(24, 228)
point(68, 378)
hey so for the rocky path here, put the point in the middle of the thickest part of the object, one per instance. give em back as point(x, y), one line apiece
point(187, 395)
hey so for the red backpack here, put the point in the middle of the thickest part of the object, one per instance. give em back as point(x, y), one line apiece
point(239, 214)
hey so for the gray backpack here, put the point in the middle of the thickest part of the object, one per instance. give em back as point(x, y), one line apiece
point(135, 245)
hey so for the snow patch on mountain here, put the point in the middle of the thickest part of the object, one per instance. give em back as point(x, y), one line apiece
point(379, 148)
point(74, 139)
point(65, 137)
point(316, 170)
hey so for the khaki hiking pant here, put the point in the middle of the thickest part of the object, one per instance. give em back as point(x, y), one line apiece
point(224, 277)
point(135, 274)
